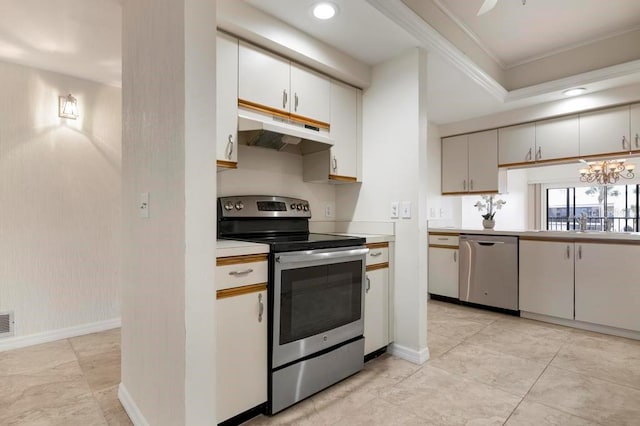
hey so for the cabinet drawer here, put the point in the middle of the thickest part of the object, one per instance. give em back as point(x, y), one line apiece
point(378, 253)
point(240, 271)
point(443, 240)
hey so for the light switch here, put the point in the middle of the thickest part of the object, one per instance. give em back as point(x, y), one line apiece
point(143, 207)
point(406, 210)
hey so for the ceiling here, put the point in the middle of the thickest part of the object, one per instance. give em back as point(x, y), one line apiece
point(82, 38)
point(514, 33)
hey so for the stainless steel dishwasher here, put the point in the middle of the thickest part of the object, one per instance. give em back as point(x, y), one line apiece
point(489, 270)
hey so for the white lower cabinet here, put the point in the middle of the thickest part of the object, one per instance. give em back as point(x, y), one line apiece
point(241, 335)
point(376, 310)
point(443, 271)
point(546, 278)
point(607, 290)
point(376, 298)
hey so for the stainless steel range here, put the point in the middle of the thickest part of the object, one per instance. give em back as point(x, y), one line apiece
point(316, 294)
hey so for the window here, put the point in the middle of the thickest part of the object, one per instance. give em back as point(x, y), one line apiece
point(616, 205)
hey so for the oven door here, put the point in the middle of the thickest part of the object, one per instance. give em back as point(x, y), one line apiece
point(318, 301)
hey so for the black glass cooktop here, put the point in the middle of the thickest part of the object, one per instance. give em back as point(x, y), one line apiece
point(311, 241)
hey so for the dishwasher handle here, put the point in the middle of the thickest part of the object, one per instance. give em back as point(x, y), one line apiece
point(487, 243)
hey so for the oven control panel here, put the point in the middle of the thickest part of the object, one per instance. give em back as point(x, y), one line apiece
point(257, 206)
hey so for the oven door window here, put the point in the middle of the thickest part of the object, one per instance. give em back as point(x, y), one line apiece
point(317, 299)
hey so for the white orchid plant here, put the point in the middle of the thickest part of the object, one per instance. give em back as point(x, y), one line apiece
point(490, 205)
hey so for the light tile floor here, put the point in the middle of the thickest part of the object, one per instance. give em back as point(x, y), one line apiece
point(485, 369)
point(68, 382)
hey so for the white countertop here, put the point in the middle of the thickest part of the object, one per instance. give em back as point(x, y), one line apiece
point(226, 248)
point(560, 235)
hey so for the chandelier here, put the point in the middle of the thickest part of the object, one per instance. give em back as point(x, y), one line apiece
point(606, 171)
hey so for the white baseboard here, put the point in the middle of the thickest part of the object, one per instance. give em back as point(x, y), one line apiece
point(63, 333)
point(408, 354)
point(130, 407)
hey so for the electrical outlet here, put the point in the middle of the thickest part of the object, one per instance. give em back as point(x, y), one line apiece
point(143, 207)
point(395, 210)
point(329, 210)
point(432, 213)
point(406, 210)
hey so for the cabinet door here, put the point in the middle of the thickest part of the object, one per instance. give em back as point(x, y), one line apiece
point(310, 94)
point(557, 139)
point(376, 310)
point(455, 167)
point(241, 358)
point(516, 144)
point(635, 127)
point(605, 132)
point(263, 78)
point(483, 161)
point(344, 130)
point(227, 99)
point(607, 290)
point(443, 271)
point(546, 278)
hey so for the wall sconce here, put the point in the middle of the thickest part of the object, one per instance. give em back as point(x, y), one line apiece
point(68, 107)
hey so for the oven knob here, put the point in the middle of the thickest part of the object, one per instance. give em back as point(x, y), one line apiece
point(306, 207)
point(239, 205)
point(299, 207)
point(293, 206)
point(228, 206)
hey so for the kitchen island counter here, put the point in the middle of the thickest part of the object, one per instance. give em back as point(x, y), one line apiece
point(588, 236)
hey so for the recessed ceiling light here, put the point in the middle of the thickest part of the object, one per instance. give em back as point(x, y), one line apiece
point(574, 92)
point(324, 10)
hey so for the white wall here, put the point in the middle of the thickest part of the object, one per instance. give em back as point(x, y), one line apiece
point(263, 171)
point(60, 198)
point(395, 169)
point(168, 313)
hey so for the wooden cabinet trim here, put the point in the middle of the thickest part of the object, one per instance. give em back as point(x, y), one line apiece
point(339, 178)
point(443, 246)
point(239, 291)
point(236, 260)
point(226, 164)
point(377, 266)
point(377, 245)
point(446, 234)
point(611, 241)
point(282, 114)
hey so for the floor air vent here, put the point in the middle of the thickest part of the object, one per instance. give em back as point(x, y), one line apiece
point(6, 324)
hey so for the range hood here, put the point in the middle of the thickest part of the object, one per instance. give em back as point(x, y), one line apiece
point(268, 131)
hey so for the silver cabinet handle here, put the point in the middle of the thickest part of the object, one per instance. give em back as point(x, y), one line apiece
point(579, 252)
point(455, 255)
point(464, 185)
point(368, 285)
point(443, 239)
point(471, 184)
point(295, 105)
point(529, 156)
point(539, 153)
point(335, 163)
point(375, 253)
point(637, 141)
point(284, 98)
point(260, 307)
point(236, 273)
point(230, 147)
point(624, 141)
point(568, 252)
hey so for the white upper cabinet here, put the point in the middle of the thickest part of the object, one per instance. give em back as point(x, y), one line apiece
point(483, 161)
point(605, 132)
point(310, 95)
point(470, 163)
point(226, 101)
point(273, 84)
point(557, 139)
point(344, 130)
point(263, 78)
point(635, 127)
point(517, 144)
point(455, 164)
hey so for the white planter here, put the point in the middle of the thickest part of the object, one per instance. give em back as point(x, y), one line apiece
point(488, 223)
